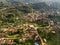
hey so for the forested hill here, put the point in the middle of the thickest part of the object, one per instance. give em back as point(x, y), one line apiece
point(36, 4)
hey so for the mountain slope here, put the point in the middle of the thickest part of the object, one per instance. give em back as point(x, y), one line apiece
point(30, 1)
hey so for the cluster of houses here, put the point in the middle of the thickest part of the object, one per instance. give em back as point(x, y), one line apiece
point(28, 32)
point(6, 41)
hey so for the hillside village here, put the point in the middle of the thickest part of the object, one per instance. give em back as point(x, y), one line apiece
point(24, 25)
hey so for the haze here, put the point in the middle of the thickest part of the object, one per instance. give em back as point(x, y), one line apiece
point(40, 0)
point(52, 0)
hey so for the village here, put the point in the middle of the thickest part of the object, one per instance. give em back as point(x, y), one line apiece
point(23, 32)
point(20, 24)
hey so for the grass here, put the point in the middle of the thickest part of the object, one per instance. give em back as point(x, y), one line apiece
point(13, 36)
point(56, 18)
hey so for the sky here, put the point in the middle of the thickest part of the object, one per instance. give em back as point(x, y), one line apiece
point(43, 0)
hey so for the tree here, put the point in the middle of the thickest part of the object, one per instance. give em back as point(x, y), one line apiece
point(41, 22)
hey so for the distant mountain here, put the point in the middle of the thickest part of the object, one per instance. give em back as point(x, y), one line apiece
point(40, 5)
point(2, 0)
point(44, 5)
point(37, 3)
point(29, 1)
point(32, 1)
point(55, 5)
